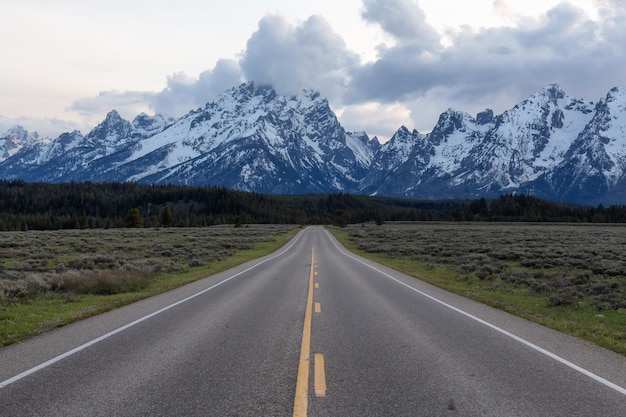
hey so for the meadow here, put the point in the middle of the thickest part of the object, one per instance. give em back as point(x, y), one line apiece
point(51, 278)
point(571, 277)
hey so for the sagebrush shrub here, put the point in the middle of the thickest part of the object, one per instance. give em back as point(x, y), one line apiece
point(568, 264)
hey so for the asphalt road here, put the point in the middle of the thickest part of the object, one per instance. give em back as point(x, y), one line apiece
point(309, 330)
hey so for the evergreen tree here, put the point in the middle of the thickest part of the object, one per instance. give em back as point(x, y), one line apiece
point(340, 219)
point(238, 221)
point(133, 218)
point(166, 218)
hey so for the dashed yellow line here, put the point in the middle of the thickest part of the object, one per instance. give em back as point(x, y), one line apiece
point(318, 308)
point(319, 381)
point(301, 401)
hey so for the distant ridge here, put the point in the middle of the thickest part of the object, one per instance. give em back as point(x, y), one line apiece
point(250, 138)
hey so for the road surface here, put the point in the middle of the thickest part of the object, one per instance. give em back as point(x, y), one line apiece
point(309, 330)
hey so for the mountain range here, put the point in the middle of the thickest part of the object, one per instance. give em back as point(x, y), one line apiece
point(250, 138)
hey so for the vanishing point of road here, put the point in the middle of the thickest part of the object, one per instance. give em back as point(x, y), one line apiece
point(311, 330)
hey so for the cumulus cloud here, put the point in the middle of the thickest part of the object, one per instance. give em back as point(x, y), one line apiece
point(404, 20)
point(414, 78)
point(563, 46)
point(184, 93)
point(502, 7)
point(181, 94)
point(292, 57)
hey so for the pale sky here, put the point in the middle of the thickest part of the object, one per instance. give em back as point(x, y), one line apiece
point(381, 63)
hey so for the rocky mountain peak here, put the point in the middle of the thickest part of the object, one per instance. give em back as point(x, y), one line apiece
point(14, 139)
point(18, 134)
point(552, 92)
point(616, 93)
point(449, 121)
point(253, 138)
point(485, 117)
point(113, 116)
point(112, 129)
point(146, 125)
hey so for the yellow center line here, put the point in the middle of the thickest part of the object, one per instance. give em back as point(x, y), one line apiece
point(320, 376)
point(318, 308)
point(301, 401)
point(317, 285)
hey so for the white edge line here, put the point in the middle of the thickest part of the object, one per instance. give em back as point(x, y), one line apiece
point(557, 358)
point(144, 318)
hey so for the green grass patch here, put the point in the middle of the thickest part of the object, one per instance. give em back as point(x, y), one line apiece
point(567, 277)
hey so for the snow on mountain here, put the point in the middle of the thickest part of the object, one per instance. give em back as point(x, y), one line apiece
point(43, 153)
point(251, 138)
point(392, 164)
point(529, 139)
point(466, 157)
point(145, 126)
point(609, 128)
point(74, 157)
point(595, 163)
point(15, 139)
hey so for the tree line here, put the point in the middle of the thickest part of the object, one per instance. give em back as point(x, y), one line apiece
point(47, 206)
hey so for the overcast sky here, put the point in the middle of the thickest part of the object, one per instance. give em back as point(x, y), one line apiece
point(381, 63)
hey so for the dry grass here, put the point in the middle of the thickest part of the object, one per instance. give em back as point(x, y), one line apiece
point(112, 261)
point(571, 277)
point(567, 264)
point(51, 278)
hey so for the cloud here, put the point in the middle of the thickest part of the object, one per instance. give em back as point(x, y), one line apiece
point(415, 77)
point(184, 93)
point(564, 46)
point(105, 101)
point(381, 120)
point(287, 56)
point(45, 127)
point(293, 57)
point(404, 20)
point(181, 94)
point(503, 7)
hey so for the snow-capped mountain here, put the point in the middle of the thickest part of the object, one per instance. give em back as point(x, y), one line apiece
point(74, 157)
point(594, 166)
point(15, 139)
point(467, 157)
point(251, 138)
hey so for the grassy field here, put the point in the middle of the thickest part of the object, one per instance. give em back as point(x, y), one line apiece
point(568, 277)
point(52, 278)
